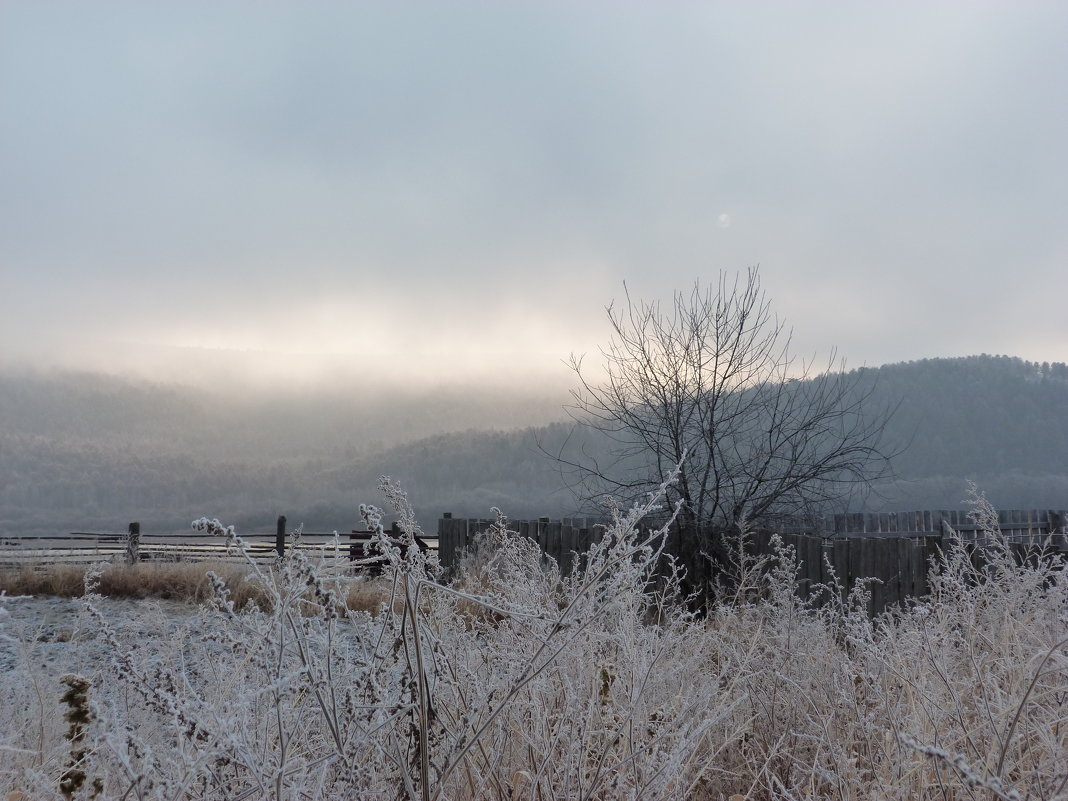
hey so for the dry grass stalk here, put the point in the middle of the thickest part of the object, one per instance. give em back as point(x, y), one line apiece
point(179, 581)
point(589, 686)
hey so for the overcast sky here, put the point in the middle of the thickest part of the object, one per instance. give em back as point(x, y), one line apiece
point(459, 189)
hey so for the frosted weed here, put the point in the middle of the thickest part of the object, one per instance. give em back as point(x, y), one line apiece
point(516, 681)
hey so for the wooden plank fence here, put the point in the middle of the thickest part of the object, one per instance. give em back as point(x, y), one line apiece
point(563, 539)
point(1015, 524)
point(895, 549)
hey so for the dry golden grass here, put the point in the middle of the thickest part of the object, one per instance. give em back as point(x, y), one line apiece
point(185, 581)
point(63, 580)
point(370, 595)
point(179, 581)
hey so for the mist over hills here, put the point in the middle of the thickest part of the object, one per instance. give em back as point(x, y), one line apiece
point(345, 419)
point(82, 450)
point(90, 452)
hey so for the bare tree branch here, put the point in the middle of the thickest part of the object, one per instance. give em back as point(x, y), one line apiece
point(712, 377)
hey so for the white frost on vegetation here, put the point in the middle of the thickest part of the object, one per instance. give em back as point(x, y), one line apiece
point(512, 681)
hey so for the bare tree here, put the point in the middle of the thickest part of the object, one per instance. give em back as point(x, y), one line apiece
point(710, 383)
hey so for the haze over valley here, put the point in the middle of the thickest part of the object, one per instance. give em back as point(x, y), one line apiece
point(251, 257)
point(89, 452)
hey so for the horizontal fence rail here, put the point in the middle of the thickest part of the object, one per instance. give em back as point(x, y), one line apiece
point(896, 550)
point(134, 546)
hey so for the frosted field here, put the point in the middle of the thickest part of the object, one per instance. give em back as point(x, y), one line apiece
point(514, 682)
point(54, 636)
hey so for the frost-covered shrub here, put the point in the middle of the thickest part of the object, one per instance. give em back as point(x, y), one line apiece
point(512, 681)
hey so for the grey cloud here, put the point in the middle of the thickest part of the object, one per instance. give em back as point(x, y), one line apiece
point(244, 156)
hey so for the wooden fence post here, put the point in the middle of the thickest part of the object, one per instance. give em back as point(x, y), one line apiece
point(1055, 528)
point(133, 544)
point(451, 536)
point(280, 536)
point(568, 547)
point(445, 539)
point(840, 554)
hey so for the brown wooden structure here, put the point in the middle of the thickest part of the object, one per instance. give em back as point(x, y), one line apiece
point(896, 550)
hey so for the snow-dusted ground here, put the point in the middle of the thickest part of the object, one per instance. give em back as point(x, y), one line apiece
point(568, 688)
point(53, 636)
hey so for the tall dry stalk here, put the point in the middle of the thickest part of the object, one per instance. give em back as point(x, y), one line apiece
point(516, 681)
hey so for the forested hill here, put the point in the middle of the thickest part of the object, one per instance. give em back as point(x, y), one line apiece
point(999, 421)
point(980, 413)
point(84, 451)
point(87, 451)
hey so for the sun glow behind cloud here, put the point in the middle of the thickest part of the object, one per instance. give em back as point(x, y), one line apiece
point(458, 191)
point(385, 337)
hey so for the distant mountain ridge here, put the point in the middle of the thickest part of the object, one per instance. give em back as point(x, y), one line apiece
point(78, 451)
point(999, 421)
point(983, 414)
